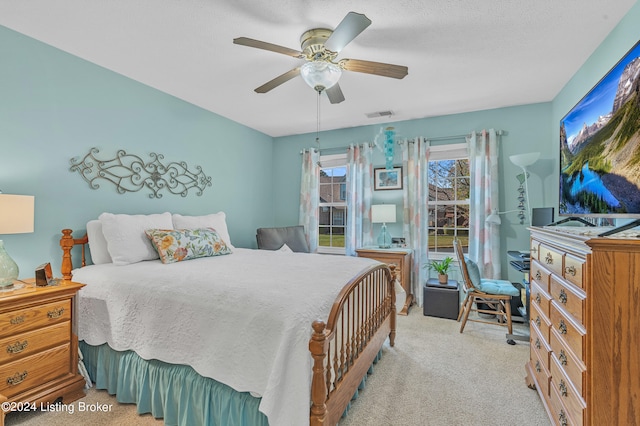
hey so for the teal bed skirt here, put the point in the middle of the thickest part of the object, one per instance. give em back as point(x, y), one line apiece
point(176, 393)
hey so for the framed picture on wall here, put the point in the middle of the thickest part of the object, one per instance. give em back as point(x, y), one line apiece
point(387, 178)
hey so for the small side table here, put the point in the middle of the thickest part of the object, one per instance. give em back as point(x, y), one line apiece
point(441, 300)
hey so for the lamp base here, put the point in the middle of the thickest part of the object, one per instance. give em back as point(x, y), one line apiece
point(384, 239)
point(8, 269)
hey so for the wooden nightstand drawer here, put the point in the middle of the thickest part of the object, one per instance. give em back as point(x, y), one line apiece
point(18, 376)
point(31, 317)
point(25, 344)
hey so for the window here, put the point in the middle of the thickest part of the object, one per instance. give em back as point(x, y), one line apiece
point(333, 204)
point(449, 189)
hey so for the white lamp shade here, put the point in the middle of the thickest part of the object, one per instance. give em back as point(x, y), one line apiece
point(320, 75)
point(16, 214)
point(494, 218)
point(383, 213)
point(524, 160)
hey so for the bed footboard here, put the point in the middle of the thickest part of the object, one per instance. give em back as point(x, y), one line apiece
point(344, 348)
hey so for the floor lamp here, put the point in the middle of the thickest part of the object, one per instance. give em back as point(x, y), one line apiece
point(523, 161)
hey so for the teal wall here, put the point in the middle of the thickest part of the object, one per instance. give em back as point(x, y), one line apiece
point(54, 106)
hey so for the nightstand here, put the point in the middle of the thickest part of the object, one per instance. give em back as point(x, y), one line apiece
point(39, 344)
point(401, 258)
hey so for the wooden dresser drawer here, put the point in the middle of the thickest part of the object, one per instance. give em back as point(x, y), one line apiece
point(551, 259)
point(30, 342)
point(540, 370)
point(562, 389)
point(534, 249)
point(574, 270)
point(540, 275)
point(571, 298)
point(19, 320)
point(540, 298)
point(24, 374)
point(567, 360)
point(540, 345)
point(571, 333)
point(541, 321)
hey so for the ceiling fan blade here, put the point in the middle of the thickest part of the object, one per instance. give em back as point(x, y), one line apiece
point(244, 41)
point(377, 68)
point(278, 80)
point(348, 29)
point(334, 93)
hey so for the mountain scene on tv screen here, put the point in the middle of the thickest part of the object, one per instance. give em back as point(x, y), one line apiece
point(600, 162)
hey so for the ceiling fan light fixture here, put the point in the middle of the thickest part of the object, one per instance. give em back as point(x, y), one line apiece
point(320, 75)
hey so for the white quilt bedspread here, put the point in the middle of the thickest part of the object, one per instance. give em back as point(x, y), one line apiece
point(243, 319)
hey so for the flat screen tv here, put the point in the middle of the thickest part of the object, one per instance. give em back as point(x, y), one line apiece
point(600, 147)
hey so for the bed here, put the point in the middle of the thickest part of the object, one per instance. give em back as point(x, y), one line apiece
point(275, 337)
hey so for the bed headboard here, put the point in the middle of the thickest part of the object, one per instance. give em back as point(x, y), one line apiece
point(67, 242)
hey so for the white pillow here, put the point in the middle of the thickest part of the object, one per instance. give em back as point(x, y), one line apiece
point(285, 249)
point(97, 243)
point(126, 241)
point(216, 221)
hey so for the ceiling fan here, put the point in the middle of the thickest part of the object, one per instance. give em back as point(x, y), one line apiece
point(320, 48)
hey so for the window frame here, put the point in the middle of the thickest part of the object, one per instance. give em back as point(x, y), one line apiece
point(327, 162)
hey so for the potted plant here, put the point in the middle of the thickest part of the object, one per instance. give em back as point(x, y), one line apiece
point(442, 268)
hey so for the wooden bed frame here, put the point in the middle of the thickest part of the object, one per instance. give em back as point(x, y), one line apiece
point(343, 348)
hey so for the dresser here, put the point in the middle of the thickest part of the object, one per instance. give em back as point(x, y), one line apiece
point(39, 346)
point(585, 326)
point(401, 259)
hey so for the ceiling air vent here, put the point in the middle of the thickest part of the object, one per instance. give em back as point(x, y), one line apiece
point(379, 114)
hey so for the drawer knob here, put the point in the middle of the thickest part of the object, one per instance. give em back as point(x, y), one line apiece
point(17, 320)
point(562, 387)
point(563, 297)
point(538, 321)
point(562, 357)
point(570, 270)
point(538, 298)
point(17, 378)
point(534, 249)
point(562, 418)
point(538, 369)
point(548, 259)
point(56, 313)
point(538, 276)
point(562, 327)
point(538, 345)
point(17, 347)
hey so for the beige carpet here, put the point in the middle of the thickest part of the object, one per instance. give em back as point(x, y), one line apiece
point(433, 376)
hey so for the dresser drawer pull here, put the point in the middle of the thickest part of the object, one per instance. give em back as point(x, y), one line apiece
point(538, 275)
point(548, 259)
point(538, 298)
point(17, 347)
point(562, 418)
point(538, 321)
point(562, 357)
point(538, 345)
point(563, 297)
point(17, 320)
point(17, 378)
point(570, 270)
point(538, 369)
point(534, 250)
point(562, 387)
point(56, 313)
point(562, 327)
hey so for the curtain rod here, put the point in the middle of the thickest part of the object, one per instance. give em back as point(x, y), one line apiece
point(339, 148)
point(444, 138)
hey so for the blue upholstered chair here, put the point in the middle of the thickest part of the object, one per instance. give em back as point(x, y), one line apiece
point(489, 296)
point(274, 238)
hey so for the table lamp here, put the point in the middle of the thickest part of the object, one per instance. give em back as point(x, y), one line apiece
point(383, 213)
point(16, 217)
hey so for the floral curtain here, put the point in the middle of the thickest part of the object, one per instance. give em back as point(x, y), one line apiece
point(484, 239)
point(359, 232)
point(310, 196)
point(415, 162)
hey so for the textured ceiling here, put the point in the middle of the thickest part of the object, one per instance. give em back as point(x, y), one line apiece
point(463, 55)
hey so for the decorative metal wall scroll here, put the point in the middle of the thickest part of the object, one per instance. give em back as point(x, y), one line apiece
point(130, 173)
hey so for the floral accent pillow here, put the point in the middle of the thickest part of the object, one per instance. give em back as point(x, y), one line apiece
point(176, 245)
